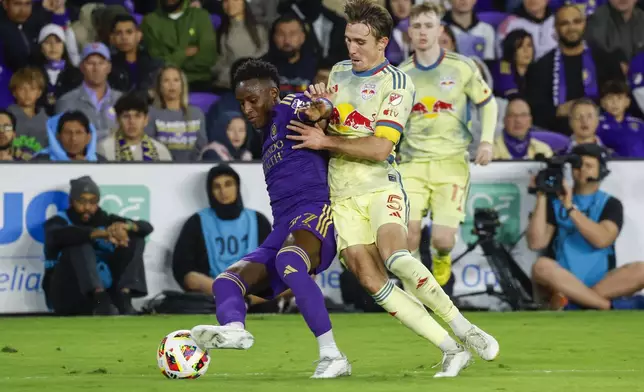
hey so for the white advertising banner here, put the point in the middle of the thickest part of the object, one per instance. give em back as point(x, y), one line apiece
point(167, 194)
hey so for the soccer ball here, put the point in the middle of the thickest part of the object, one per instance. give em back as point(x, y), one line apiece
point(179, 356)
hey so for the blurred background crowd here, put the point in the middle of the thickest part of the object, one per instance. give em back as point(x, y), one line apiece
point(64, 65)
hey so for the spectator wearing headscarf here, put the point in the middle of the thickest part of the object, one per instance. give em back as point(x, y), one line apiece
point(232, 140)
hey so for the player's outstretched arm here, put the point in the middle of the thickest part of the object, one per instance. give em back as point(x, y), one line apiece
point(368, 147)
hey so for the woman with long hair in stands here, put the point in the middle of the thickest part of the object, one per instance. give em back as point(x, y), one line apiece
point(239, 36)
point(510, 72)
point(172, 121)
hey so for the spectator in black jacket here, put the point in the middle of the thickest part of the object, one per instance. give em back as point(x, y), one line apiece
point(20, 24)
point(296, 61)
point(216, 237)
point(61, 76)
point(132, 66)
point(94, 260)
point(326, 28)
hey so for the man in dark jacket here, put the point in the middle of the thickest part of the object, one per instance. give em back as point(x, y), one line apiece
point(94, 260)
point(20, 24)
point(132, 67)
point(218, 236)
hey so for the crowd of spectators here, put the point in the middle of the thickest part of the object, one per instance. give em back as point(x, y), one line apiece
point(172, 62)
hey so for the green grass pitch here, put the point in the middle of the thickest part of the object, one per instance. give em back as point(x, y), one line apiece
point(541, 352)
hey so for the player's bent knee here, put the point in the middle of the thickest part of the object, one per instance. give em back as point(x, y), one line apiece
point(391, 237)
point(637, 269)
point(292, 259)
point(443, 238)
point(250, 273)
point(363, 267)
point(310, 244)
point(542, 269)
point(413, 235)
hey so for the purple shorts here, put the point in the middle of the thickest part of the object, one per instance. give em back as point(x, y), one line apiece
point(314, 218)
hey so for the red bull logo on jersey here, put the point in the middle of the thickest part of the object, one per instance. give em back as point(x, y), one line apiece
point(447, 83)
point(345, 117)
point(367, 91)
point(431, 107)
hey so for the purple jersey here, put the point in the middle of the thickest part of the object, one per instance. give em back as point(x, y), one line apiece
point(294, 178)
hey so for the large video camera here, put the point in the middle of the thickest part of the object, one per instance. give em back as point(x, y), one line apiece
point(486, 221)
point(550, 180)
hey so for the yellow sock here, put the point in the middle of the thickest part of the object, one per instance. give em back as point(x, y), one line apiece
point(442, 266)
point(413, 315)
point(421, 283)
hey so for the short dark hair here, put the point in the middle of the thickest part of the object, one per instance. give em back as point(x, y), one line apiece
point(583, 101)
point(569, 5)
point(120, 18)
point(12, 118)
point(235, 66)
point(373, 15)
point(131, 101)
point(256, 69)
point(616, 87)
point(74, 115)
point(287, 18)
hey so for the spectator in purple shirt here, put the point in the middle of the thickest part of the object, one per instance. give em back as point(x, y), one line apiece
point(620, 132)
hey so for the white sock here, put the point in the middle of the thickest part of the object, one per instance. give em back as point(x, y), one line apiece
point(449, 344)
point(460, 325)
point(236, 324)
point(328, 348)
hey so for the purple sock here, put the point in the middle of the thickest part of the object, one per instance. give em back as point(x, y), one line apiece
point(229, 290)
point(293, 270)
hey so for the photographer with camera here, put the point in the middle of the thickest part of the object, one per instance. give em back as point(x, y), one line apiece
point(579, 226)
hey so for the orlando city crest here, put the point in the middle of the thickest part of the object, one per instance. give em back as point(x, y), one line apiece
point(274, 132)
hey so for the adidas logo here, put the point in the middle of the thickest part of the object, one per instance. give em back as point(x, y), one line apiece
point(289, 270)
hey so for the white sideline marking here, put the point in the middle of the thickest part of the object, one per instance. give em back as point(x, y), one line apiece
point(427, 373)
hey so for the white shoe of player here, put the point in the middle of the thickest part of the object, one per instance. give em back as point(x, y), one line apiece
point(332, 367)
point(482, 343)
point(453, 362)
point(222, 337)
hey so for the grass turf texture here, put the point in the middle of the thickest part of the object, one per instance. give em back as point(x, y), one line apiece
point(572, 351)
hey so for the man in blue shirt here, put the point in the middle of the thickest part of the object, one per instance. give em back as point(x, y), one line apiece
point(579, 229)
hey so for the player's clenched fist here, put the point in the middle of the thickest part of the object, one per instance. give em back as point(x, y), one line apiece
point(484, 154)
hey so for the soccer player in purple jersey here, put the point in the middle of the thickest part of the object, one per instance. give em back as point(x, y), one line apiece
point(303, 239)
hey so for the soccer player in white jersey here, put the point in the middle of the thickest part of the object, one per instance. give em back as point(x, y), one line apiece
point(372, 101)
point(434, 161)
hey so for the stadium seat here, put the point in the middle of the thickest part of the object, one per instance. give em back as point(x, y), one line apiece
point(493, 18)
point(215, 20)
point(202, 100)
point(138, 18)
point(556, 141)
